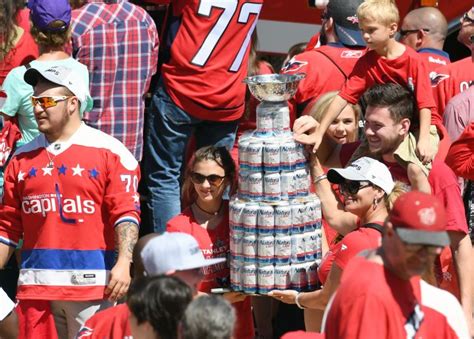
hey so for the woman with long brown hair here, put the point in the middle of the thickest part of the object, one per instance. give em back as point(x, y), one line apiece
point(206, 217)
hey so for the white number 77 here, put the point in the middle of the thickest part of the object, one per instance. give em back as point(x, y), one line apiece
point(230, 7)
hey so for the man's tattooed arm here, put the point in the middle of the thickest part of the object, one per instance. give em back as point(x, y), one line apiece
point(126, 236)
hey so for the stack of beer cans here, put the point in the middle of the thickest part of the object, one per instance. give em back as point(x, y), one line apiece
point(275, 223)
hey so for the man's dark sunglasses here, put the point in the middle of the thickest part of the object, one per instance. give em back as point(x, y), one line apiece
point(352, 187)
point(213, 179)
point(466, 17)
point(405, 32)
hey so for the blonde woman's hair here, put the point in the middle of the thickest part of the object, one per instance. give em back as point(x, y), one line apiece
point(399, 189)
point(382, 11)
point(321, 106)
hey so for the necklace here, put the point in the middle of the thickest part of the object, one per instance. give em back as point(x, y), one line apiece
point(51, 160)
point(207, 212)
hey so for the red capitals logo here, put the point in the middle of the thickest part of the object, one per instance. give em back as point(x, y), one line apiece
point(351, 54)
point(293, 65)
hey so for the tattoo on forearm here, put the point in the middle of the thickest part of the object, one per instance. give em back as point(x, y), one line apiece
point(126, 236)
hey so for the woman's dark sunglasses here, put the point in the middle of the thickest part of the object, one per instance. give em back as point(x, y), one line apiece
point(213, 179)
point(352, 187)
point(467, 18)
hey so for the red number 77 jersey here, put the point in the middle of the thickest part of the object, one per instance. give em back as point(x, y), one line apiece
point(209, 43)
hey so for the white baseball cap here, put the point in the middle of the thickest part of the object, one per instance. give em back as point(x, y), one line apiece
point(364, 169)
point(66, 77)
point(174, 252)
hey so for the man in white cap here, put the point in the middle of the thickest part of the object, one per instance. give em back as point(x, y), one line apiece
point(176, 254)
point(71, 195)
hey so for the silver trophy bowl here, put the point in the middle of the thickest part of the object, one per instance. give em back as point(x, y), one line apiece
point(274, 87)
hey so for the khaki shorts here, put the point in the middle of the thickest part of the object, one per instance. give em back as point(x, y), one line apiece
point(405, 153)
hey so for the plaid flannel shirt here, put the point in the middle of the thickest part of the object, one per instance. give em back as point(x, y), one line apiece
point(118, 42)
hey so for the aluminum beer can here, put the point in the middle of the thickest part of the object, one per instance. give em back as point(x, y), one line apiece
point(300, 158)
point(265, 117)
point(249, 218)
point(311, 245)
point(265, 219)
point(282, 248)
point(298, 277)
point(254, 155)
point(311, 206)
point(282, 118)
point(249, 278)
point(249, 248)
point(265, 278)
point(243, 162)
point(235, 275)
point(298, 211)
point(319, 250)
point(298, 248)
point(271, 187)
point(282, 218)
point(288, 185)
point(282, 277)
point(236, 215)
point(244, 184)
point(236, 245)
point(265, 249)
point(302, 182)
point(288, 155)
point(312, 275)
point(255, 184)
point(271, 157)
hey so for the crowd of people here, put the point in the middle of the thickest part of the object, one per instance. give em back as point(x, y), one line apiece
point(386, 119)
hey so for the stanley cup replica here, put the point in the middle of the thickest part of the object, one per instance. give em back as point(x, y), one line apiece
point(275, 222)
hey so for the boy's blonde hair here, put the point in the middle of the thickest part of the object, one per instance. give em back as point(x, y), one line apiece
point(382, 11)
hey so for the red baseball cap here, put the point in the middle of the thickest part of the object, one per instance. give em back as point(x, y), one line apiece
point(420, 218)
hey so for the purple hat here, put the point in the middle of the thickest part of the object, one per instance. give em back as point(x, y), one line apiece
point(44, 12)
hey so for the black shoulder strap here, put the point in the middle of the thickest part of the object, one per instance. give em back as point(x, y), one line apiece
point(335, 63)
point(374, 226)
point(28, 66)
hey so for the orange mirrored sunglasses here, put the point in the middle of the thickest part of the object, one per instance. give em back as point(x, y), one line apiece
point(47, 102)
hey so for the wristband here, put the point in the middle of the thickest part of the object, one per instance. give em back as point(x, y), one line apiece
point(320, 178)
point(297, 302)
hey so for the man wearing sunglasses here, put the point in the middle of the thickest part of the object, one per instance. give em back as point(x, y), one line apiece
point(425, 29)
point(71, 195)
point(388, 117)
point(455, 78)
point(382, 295)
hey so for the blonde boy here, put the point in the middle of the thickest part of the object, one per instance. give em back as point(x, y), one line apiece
point(387, 61)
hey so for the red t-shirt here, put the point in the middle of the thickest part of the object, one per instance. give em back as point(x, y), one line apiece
point(372, 302)
point(208, 46)
point(25, 49)
point(363, 238)
point(461, 154)
point(326, 69)
point(215, 244)
point(434, 58)
point(109, 323)
point(408, 70)
point(451, 80)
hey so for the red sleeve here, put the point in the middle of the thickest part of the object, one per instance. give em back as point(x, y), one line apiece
point(461, 154)
point(356, 85)
point(121, 197)
point(423, 91)
point(445, 187)
point(11, 227)
point(364, 317)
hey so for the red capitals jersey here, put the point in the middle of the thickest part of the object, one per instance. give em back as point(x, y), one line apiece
point(65, 199)
point(451, 80)
point(326, 69)
point(434, 58)
point(208, 42)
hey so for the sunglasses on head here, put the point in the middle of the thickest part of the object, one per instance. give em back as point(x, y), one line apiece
point(467, 18)
point(47, 102)
point(352, 187)
point(213, 179)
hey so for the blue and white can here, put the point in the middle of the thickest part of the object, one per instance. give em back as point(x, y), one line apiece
point(298, 277)
point(283, 221)
point(282, 277)
point(265, 278)
point(282, 248)
point(271, 187)
point(249, 248)
point(271, 156)
point(265, 249)
point(254, 155)
point(288, 185)
point(298, 248)
point(288, 155)
point(265, 219)
point(249, 218)
point(249, 278)
point(235, 275)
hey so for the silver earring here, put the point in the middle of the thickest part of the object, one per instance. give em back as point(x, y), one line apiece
point(375, 203)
